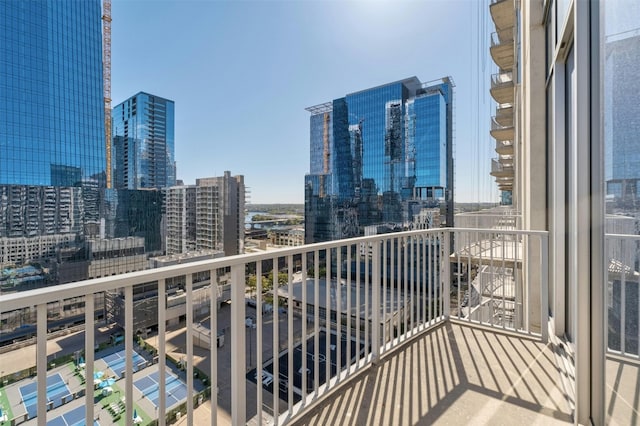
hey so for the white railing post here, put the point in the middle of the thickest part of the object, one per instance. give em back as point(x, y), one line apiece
point(162, 353)
point(213, 344)
point(304, 330)
point(41, 362)
point(623, 298)
point(238, 346)
point(189, 347)
point(290, 335)
point(259, 343)
point(544, 287)
point(446, 274)
point(128, 349)
point(275, 346)
point(89, 309)
point(375, 302)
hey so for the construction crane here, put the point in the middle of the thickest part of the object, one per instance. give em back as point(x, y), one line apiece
point(106, 81)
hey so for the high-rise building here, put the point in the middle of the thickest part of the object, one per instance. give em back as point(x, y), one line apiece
point(378, 158)
point(55, 207)
point(51, 93)
point(181, 219)
point(206, 216)
point(52, 145)
point(143, 143)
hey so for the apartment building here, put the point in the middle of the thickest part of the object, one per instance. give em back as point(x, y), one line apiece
point(144, 142)
point(206, 216)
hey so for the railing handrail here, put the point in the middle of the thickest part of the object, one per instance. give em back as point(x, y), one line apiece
point(28, 298)
point(502, 36)
point(497, 126)
point(622, 236)
point(497, 79)
point(417, 295)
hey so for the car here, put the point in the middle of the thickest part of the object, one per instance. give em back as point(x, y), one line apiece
point(251, 302)
point(249, 322)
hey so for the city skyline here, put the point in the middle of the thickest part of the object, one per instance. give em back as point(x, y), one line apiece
point(241, 76)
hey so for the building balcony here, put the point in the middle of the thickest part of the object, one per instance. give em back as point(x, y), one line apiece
point(506, 160)
point(504, 147)
point(501, 170)
point(501, 133)
point(504, 183)
point(481, 378)
point(502, 88)
point(502, 50)
point(504, 115)
point(502, 217)
point(441, 325)
point(503, 13)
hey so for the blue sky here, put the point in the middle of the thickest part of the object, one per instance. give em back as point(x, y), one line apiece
point(242, 72)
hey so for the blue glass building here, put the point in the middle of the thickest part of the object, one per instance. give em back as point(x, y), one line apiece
point(53, 197)
point(51, 93)
point(143, 143)
point(379, 157)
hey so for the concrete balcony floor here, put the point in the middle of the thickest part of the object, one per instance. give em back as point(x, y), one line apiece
point(453, 375)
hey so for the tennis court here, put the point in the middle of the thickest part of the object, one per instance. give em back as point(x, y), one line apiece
point(116, 362)
point(74, 417)
point(175, 388)
point(56, 390)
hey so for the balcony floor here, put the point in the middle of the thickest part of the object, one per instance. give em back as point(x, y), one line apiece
point(453, 375)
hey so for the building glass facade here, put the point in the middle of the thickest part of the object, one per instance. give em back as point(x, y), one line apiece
point(379, 157)
point(54, 204)
point(143, 142)
point(51, 93)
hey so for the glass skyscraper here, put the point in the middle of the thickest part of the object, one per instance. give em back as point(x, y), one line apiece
point(379, 158)
point(51, 93)
point(54, 204)
point(143, 143)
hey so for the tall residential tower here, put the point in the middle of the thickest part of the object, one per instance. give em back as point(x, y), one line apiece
point(206, 216)
point(143, 143)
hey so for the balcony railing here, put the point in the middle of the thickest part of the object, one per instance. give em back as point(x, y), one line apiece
point(502, 50)
point(323, 312)
point(502, 36)
point(502, 217)
point(504, 114)
point(623, 294)
point(504, 147)
point(502, 88)
point(501, 170)
point(503, 13)
point(500, 132)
